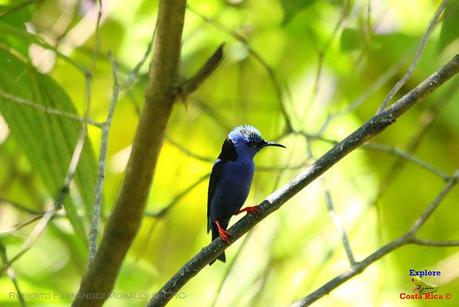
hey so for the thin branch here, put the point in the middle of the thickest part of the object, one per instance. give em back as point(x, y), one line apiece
point(405, 155)
point(93, 233)
point(425, 38)
point(271, 73)
point(336, 219)
point(15, 228)
point(160, 213)
point(48, 110)
point(428, 212)
point(190, 85)
point(229, 268)
point(132, 76)
point(435, 243)
point(408, 238)
point(426, 120)
point(18, 7)
point(386, 149)
point(371, 128)
point(6, 28)
point(18, 206)
point(355, 270)
point(11, 274)
point(347, 5)
point(199, 157)
point(54, 206)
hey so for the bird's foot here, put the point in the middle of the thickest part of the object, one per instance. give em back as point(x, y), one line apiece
point(223, 233)
point(250, 210)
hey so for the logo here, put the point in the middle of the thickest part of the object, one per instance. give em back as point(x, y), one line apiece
point(422, 289)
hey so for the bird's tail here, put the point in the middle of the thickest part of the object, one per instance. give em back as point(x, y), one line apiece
point(216, 234)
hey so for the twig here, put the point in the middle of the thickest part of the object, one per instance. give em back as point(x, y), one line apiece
point(93, 233)
point(132, 76)
point(408, 238)
point(272, 75)
point(229, 267)
point(323, 52)
point(435, 243)
point(274, 201)
point(11, 274)
point(406, 156)
point(54, 206)
point(428, 212)
point(420, 49)
point(18, 206)
point(48, 110)
point(190, 85)
point(336, 219)
point(160, 213)
point(15, 228)
point(199, 157)
point(19, 6)
point(6, 28)
point(426, 120)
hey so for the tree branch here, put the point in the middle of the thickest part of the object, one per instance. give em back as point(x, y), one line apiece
point(94, 230)
point(408, 238)
point(127, 214)
point(190, 85)
point(336, 219)
point(274, 201)
point(417, 57)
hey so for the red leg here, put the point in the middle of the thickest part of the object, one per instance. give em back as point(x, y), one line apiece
point(250, 210)
point(223, 233)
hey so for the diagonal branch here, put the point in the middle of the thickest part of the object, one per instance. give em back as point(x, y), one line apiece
point(408, 238)
point(336, 219)
point(190, 85)
point(274, 201)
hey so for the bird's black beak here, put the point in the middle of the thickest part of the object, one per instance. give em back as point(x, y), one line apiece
point(274, 144)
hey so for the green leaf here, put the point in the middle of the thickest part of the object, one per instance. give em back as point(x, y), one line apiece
point(450, 28)
point(292, 7)
point(351, 39)
point(48, 140)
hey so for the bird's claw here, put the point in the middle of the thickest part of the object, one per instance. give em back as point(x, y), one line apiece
point(251, 210)
point(224, 235)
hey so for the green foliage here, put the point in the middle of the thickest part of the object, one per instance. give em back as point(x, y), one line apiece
point(351, 39)
point(292, 7)
point(270, 45)
point(47, 140)
point(450, 28)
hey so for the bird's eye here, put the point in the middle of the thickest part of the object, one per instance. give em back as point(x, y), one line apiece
point(252, 144)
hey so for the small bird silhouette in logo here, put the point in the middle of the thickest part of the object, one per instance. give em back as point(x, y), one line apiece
point(422, 286)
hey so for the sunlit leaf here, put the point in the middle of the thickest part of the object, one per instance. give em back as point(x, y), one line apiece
point(351, 39)
point(450, 28)
point(293, 7)
point(47, 140)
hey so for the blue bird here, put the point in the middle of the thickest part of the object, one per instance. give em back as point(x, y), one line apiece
point(231, 179)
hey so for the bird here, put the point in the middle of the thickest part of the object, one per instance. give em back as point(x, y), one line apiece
point(230, 180)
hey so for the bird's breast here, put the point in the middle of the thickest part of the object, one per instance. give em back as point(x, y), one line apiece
point(235, 182)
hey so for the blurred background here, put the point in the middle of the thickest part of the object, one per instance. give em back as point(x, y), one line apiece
point(306, 73)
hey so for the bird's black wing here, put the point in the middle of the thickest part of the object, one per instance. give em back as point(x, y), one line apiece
point(228, 153)
point(213, 181)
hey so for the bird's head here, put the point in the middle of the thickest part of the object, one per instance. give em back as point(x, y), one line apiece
point(247, 141)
